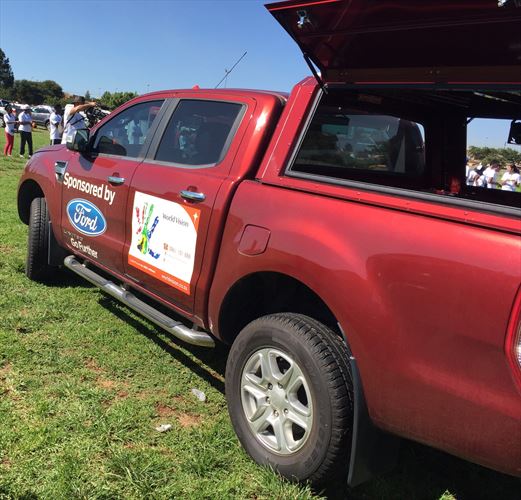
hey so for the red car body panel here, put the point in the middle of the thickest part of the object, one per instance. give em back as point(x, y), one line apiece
point(405, 41)
point(428, 342)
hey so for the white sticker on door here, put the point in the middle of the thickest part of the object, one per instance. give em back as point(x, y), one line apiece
point(164, 238)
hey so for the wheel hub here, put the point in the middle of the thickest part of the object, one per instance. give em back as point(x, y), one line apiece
point(276, 401)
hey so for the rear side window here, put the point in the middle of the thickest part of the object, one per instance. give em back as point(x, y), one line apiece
point(199, 132)
point(126, 133)
point(351, 145)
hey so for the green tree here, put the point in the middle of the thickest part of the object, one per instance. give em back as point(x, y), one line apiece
point(6, 73)
point(88, 96)
point(52, 92)
point(27, 91)
point(485, 154)
point(111, 100)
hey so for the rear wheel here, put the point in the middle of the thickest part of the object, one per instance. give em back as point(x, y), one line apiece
point(289, 394)
point(37, 267)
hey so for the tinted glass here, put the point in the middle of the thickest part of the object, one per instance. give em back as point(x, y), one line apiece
point(346, 144)
point(126, 133)
point(198, 132)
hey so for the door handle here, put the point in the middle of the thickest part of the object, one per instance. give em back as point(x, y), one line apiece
point(116, 181)
point(192, 196)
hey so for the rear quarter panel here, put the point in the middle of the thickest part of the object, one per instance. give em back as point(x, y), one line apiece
point(424, 302)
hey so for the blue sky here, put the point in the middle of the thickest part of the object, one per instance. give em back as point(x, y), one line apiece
point(136, 45)
point(140, 46)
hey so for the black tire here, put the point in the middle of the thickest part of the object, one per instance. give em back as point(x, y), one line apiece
point(322, 358)
point(48, 125)
point(37, 267)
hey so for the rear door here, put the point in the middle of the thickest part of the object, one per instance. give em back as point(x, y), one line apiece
point(95, 188)
point(172, 205)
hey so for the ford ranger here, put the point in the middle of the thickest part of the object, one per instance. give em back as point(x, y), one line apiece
point(368, 292)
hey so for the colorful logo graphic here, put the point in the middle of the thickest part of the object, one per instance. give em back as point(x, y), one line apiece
point(86, 217)
point(145, 234)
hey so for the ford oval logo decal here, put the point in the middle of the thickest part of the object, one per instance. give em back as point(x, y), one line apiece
point(86, 217)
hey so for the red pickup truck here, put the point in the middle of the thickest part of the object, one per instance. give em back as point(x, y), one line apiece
point(330, 236)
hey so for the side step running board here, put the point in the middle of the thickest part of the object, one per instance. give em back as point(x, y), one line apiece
point(176, 328)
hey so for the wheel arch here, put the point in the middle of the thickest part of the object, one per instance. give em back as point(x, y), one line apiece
point(263, 293)
point(27, 192)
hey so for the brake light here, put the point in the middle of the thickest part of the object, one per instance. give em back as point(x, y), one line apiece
point(513, 340)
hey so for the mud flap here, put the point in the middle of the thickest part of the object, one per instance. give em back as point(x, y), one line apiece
point(373, 451)
point(56, 253)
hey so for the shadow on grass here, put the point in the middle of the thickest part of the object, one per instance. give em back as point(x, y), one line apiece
point(60, 278)
point(213, 361)
point(421, 472)
point(425, 473)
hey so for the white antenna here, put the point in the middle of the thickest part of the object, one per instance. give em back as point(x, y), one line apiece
point(227, 72)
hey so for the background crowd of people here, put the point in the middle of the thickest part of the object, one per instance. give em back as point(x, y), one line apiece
point(489, 176)
point(61, 122)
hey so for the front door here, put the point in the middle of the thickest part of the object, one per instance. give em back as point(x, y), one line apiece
point(96, 186)
point(172, 197)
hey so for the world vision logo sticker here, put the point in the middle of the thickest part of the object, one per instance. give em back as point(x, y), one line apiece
point(164, 240)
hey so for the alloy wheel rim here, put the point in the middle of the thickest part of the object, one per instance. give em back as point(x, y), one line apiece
point(276, 401)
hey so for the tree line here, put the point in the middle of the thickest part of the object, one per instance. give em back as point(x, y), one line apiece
point(48, 91)
point(486, 155)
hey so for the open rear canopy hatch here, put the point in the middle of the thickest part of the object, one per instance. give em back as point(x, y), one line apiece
point(383, 41)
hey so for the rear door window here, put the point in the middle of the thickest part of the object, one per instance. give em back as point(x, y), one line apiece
point(351, 145)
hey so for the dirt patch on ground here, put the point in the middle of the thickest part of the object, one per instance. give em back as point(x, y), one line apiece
point(189, 419)
point(5, 370)
point(6, 249)
point(6, 384)
point(185, 419)
point(105, 383)
point(102, 381)
point(92, 365)
point(164, 411)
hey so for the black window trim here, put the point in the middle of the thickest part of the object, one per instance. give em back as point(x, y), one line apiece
point(442, 199)
point(160, 131)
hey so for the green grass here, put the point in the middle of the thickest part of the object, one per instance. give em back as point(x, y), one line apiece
point(84, 382)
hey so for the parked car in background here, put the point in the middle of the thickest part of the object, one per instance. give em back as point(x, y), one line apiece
point(41, 115)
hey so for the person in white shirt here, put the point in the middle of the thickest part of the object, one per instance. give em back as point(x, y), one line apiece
point(511, 178)
point(55, 123)
point(26, 130)
point(72, 118)
point(490, 175)
point(10, 123)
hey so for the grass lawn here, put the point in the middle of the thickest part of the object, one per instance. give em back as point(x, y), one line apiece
point(85, 381)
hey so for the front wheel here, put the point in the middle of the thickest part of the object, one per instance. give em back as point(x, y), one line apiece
point(37, 267)
point(290, 398)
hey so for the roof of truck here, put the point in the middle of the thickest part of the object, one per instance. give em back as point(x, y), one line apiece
point(221, 92)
